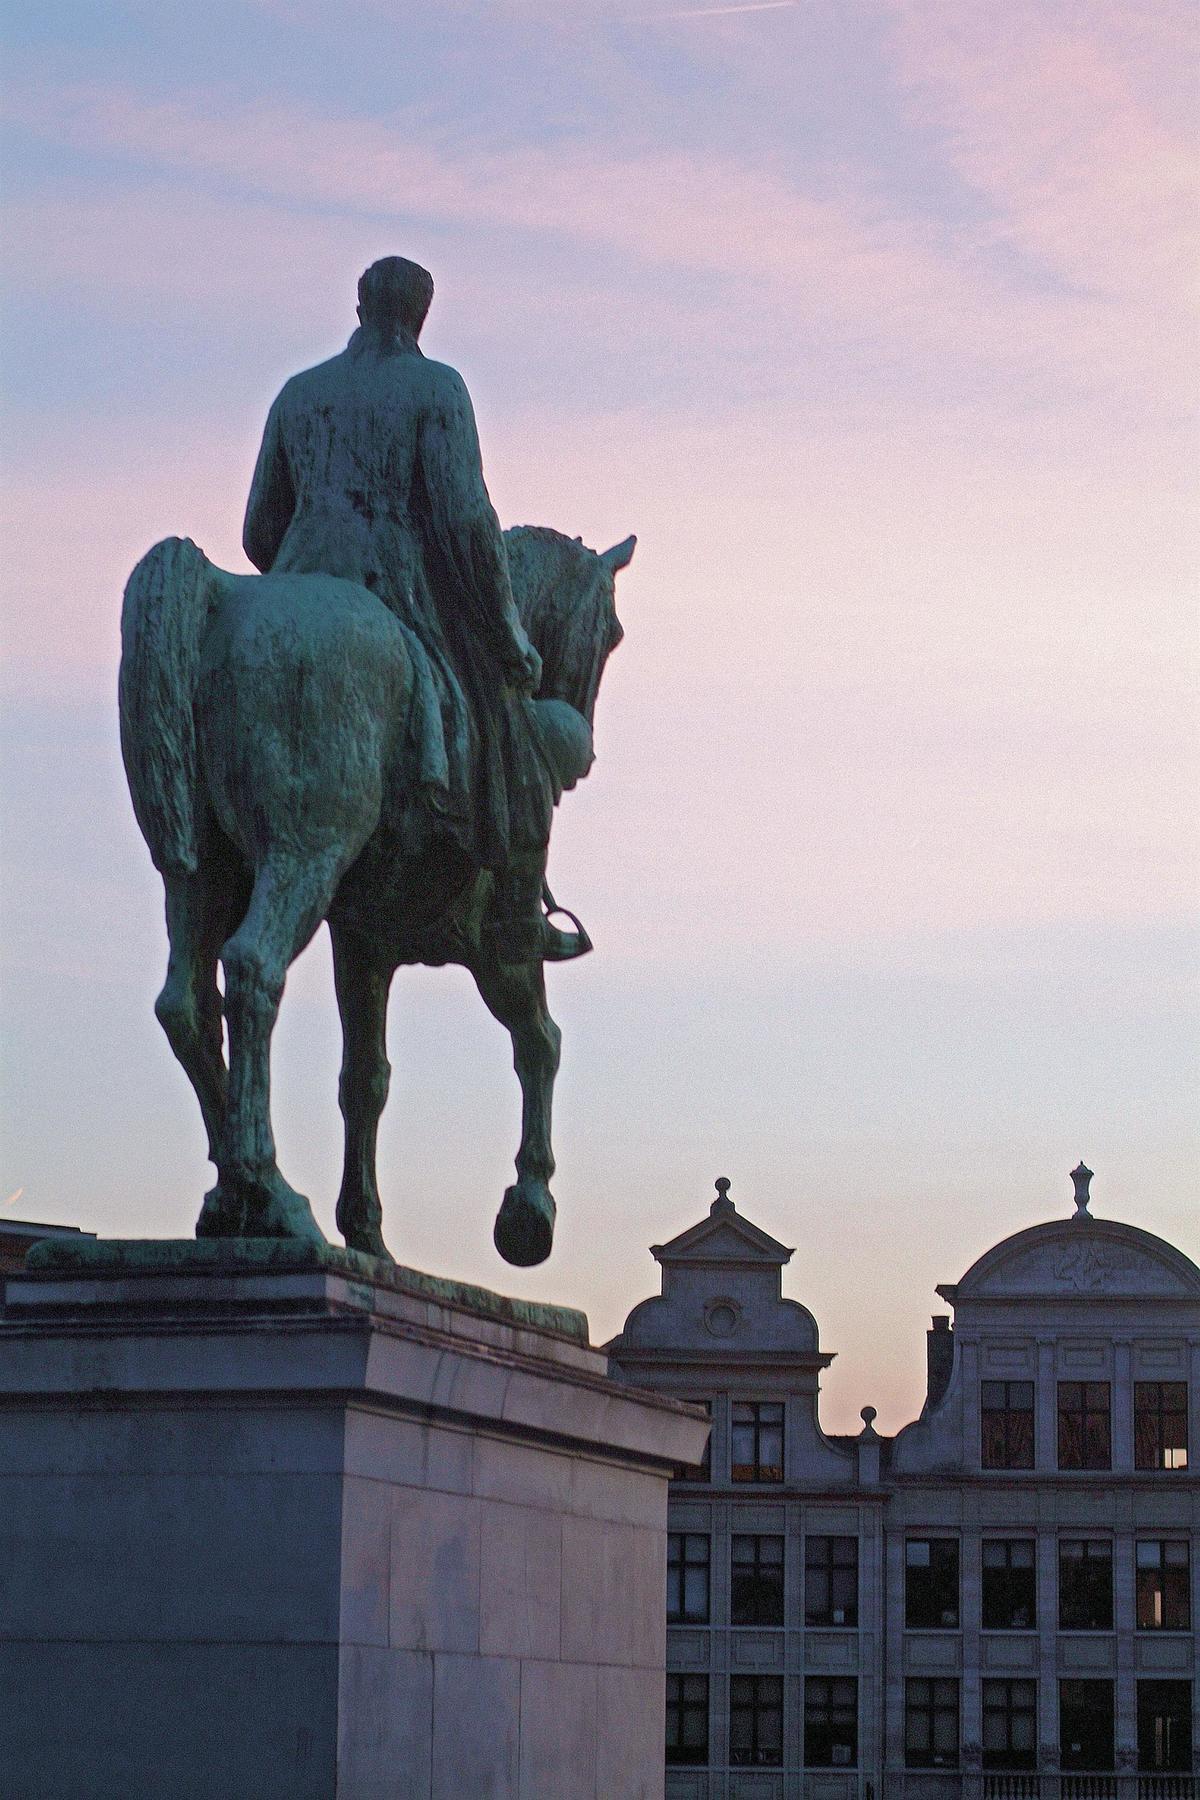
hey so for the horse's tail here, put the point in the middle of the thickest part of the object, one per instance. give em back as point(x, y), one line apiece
point(167, 603)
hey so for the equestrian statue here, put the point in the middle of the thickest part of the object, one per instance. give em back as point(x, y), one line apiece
point(374, 731)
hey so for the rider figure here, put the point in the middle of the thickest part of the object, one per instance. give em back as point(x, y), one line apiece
point(370, 470)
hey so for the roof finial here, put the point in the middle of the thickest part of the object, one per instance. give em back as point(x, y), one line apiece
point(1081, 1177)
point(722, 1203)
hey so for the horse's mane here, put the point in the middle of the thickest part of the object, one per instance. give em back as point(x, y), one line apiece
point(566, 606)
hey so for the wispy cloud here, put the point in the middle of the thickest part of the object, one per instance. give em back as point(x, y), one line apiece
point(836, 263)
point(724, 12)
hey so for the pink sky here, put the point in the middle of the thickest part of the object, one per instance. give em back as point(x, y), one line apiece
point(877, 324)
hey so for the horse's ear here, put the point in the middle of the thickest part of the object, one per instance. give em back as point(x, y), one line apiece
point(620, 556)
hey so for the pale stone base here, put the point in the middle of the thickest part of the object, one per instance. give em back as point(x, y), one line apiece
point(294, 1535)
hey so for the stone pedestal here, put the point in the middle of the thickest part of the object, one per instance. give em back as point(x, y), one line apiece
point(283, 1525)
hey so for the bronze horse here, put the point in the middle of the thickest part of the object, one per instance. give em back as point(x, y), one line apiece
point(263, 723)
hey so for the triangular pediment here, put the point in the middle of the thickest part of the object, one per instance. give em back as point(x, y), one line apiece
point(724, 1236)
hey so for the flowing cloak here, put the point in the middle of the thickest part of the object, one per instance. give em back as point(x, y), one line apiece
point(370, 469)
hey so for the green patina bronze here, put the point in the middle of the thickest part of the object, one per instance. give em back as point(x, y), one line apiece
point(281, 1255)
point(373, 732)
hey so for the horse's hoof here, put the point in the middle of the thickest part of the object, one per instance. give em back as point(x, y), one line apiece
point(524, 1230)
point(222, 1215)
point(368, 1241)
point(281, 1212)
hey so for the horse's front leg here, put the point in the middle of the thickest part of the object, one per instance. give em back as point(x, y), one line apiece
point(362, 979)
point(516, 995)
point(289, 900)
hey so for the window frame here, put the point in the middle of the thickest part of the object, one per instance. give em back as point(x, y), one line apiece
point(680, 1615)
point(1096, 1551)
point(759, 1470)
point(755, 1708)
point(1009, 1756)
point(930, 1709)
point(679, 1708)
point(1016, 1449)
point(1005, 1578)
point(1175, 1617)
point(1157, 1415)
point(942, 1624)
point(827, 1568)
point(1081, 1417)
point(766, 1574)
point(823, 1717)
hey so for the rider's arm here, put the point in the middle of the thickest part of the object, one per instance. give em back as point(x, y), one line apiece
point(272, 498)
point(465, 530)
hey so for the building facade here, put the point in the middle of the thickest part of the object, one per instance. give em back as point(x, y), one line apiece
point(999, 1601)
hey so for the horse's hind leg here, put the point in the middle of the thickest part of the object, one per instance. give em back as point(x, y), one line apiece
point(516, 995)
point(189, 1006)
point(362, 979)
point(287, 905)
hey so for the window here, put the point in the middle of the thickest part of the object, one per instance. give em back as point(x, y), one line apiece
point(1085, 1724)
point(1009, 1584)
point(1163, 1585)
point(687, 1718)
point(701, 1471)
point(1160, 1425)
point(830, 1722)
point(756, 1583)
point(757, 1441)
point(1164, 1726)
point(756, 1721)
point(1010, 1724)
point(687, 1578)
point(831, 1581)
point(1084, 1425)
point(1006, 1409)
point(1085, 1586)
point(930, 1723)
point(931, 1583)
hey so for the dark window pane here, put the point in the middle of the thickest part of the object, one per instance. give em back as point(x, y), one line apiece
point(1085, 1584)
point(830, 1722)
point(1085, 1724)
point(687, 1719)
point(757, 1441)
point(1164, 1726)
point(1163, 1585)
point(1084, 1425)
point(756, 1580)
point(756, 1720)
point(1160, 1438)
point(1006, 1424)
point(831, 1581)
point(687, 1578)
point(931, 1724)
point(1009, 1585)
point(931, 1583)
point(1009, 1724)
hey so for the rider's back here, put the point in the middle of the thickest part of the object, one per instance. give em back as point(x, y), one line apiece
point(349, 438)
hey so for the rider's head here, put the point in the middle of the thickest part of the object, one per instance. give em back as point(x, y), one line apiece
point(394, 295)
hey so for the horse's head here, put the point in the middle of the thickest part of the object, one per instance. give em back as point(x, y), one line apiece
point(564, 594)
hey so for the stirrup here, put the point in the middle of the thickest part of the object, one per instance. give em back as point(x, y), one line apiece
point(575, 943)
point(535, 939)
